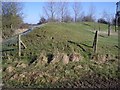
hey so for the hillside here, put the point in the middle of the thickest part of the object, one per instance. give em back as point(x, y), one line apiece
point(66, 36)
point(55, 40)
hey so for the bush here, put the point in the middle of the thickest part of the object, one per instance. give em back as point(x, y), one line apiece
point(68, 19)
point(42, 20)
point(101, 20)
point(88, 19)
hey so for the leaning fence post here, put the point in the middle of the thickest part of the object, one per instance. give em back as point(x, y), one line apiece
point(95, 42)
point(19, 45)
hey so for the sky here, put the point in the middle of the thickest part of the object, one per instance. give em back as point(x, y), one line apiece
point(32, 11)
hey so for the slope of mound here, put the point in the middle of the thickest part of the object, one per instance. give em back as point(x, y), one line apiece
point(61, 42)
point(67, 37)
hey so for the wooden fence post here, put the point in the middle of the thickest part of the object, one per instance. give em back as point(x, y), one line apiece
point(19, 45)
point(115, 23)
point(95, 42)
point(109, 27)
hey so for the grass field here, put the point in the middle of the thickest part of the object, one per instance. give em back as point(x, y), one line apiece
point(65, 38)
point(58, 35)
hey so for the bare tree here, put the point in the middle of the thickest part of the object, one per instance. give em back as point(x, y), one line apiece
point(77, 8)
point(11, 17)
point(63, 10)
point(108, 17)
point(50, 10)
point(67, 16)
point(91, 13)
point(81, 16)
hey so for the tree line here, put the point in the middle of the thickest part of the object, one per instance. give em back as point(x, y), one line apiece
point(12, 15)
point(61, 12)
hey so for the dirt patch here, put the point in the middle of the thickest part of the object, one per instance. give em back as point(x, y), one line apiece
point(90, 81)
point(100, 58)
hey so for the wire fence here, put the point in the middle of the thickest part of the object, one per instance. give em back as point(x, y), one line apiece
point(10, 43)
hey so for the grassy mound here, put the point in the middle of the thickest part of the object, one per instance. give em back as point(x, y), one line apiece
point(68, 37)
point(44, 42)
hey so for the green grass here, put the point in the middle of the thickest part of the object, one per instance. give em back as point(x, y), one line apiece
point(57, 36)
point(65, 38)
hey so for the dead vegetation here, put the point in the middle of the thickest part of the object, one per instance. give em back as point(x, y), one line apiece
point(63, 70)
point(54, 58)
point(101, 58)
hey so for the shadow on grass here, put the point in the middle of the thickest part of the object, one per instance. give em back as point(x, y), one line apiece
point(86, 45)
point(50, 57)
point(8, 50)
point(87, 24)
point(83, 49)
point(78, 44)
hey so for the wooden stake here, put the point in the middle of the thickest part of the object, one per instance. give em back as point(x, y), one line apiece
point(19, 45)
point(95, 42)
point(23, 44)
point(115, 23)
point(109, 27)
